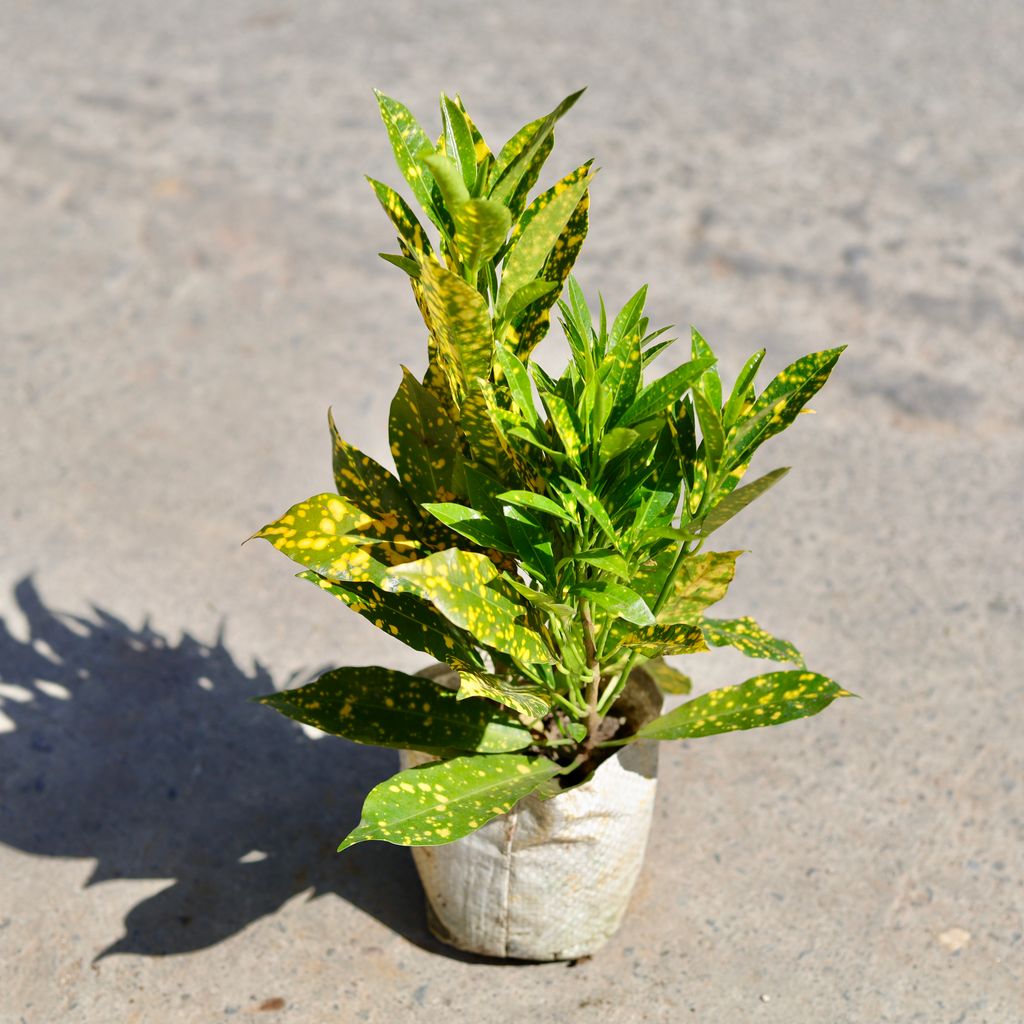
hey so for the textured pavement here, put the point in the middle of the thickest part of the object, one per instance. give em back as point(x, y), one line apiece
point(189, 280)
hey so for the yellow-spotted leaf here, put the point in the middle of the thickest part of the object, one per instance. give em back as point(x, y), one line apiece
point(538, 230)
point(662, 393)
point(566, 424)
point(458, 140)
point(391, 709)
point(410, 145)
point(765, 700)
point(750, 639)
point(331, 536)
point(456, 582)
point(702, 581)
point(480, 229)
point(442, 801)
point(531, 325)
point(710, 427)
point(779, 403)
point(406, 617)
point(668, 638)
point(592, 506)
point(405, 221)
point(423, 442)
point(525, 698)
point(667, 678)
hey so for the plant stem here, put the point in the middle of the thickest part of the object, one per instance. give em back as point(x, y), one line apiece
point(593, 690)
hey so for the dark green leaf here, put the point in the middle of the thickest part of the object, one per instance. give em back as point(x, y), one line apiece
point(539, 503)
point(397, 209)
point(710, 428)
point(391, 709)
point(744, 382)
point(663, 393)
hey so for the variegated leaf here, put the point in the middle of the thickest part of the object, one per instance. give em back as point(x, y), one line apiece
point(667, 678)
point(423, 442)
point(765, 700)
point(525, 698)
point(406, 617)
point(332, 537)
point(480, 229)
point(410, 144)
point(456, 582)
point(662, 393)
point(779, 403)
point(723, 510)
point(750, 639)
point(386, 708)
point(531, 326)
point(669, 638)
point(442, 801)
point(702, 581)
point(538, 231)
point(405, 221)
point(458, 140)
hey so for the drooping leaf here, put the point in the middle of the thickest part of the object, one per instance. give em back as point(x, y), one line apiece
point(526, 698)
point(616, 441)
point(779, 403)
point(662, 393)
point(456, 582)
point(410, 144)
point(391, 709)
point(765, 700)
point(448, 179)
point(538, 230)
point(406, 617)
point(738, 500)
point(667, 678)
point(423, 442)
point(471, 524)
point(443, 801)
point(410, 266)
point(750, 639)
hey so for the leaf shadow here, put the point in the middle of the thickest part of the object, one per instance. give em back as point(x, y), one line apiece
point(147, 756)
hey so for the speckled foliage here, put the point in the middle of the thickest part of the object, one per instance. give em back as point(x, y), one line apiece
point(544, 538)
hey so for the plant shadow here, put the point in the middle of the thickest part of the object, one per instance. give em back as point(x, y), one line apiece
point(148, 757)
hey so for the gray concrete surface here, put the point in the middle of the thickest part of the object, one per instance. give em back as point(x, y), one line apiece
point(189, 280)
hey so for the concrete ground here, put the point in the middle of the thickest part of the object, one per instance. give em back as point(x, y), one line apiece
point(189, 280)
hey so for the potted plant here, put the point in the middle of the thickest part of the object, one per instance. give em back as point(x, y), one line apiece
point(544, 539)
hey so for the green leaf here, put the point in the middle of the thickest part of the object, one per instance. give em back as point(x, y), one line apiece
point(738, 397)
point(449, 180)
point(518, 381)
point(617, 599)
point(443, 801)
point(702, 581)
point(666, 638)
point(456, 582)
point(518, 153)
point(710, 384)
point(539, 503)
point(765, 700)
point(592, 505)
point(779, 403)
point(410, 266)
point(526, 296)
point(738, 500)
point(472, 524)
point(616, 441)
point(525, 698)
point(391, 709)
point(541, 226)
point(532, 544)
point(629, 317)
point(410, 144)
point(750, 639)
point(605, 560)
point(423, 442)
point(329, 535)
point(663, 393)
point(458, 140)
point(409, 228)
point(531, 326)
point(406, 617)
point(566, 424)
point(710, 427)
point(668, 679)
point(480, 229)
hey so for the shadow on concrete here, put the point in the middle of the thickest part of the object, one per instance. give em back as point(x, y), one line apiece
point(147, 756)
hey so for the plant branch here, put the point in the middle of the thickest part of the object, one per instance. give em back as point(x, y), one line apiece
point(593, 690)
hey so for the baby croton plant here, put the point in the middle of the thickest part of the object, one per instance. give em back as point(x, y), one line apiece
point(544, 537)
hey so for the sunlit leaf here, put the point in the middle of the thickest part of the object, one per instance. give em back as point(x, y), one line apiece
point(662, 393)
point(525, 698)
point(750, 639)
point(410, 144)
point(667, 678)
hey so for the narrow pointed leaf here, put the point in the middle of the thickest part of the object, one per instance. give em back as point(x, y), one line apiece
point(566, 425)
point(738, 500)
point(750, 639)
point(592, 505)
point(663, 393)
point(443, 801)
point(405, 221)
point(710, 428)
point(629, 316)
point(616, 441)
point(710, 383)
point(518, 381)
point(525, 698)
point(458, 140)
point(539, 503)
point(617, 599)
point(386, 708)
point(671, 638)
point(410, 266)
point(765, 700)
point(737, 399)
point(410, 144)
point(407, 617)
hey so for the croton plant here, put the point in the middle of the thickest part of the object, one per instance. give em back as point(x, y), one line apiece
point(543, 537)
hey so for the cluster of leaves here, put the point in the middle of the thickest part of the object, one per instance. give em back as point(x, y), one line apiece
point(543, 537)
